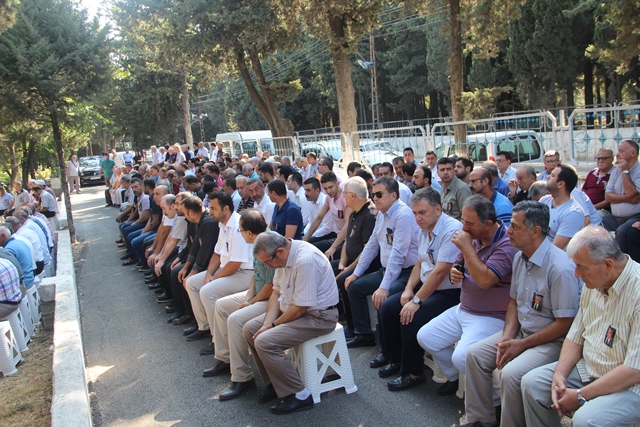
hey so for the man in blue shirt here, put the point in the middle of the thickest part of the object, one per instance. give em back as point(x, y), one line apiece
point(480, 183)
point(127, 156)
point(287, 217)
point(499, 184)
point(21, 251)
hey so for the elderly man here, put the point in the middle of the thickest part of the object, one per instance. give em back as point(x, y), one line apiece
point(246, 202)
point(519, 187)
point(454, 192)
point(233, 311)
point(299, 309)
point(544, 300)
point(10, 295)
point(33, 238)
point(72, 169)
point(45, 202)
point(551, 161)
point(484, 269)
point(202, 151)
point(262, 202)
point(428, 293)
point(21, 251)
point(596, 181)
point(395, 237)
point(157, 158)
point(480, 183)
point(598, 374)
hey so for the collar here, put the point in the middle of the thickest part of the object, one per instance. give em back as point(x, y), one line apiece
point(234, 221)
point(364, 208)
point(393, 209)
point(538, 256)
point(618, 286)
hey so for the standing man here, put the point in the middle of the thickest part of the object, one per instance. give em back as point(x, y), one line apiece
point(73, 173)
point(298, 310)
point(505, 170)
point(202, 152)
point(107, 168)
point(596, 181)
point(551, 161)
point(246, 202)
point(454, 191)
point(127, 157)
point(312, 159)
point(598, 374)
point(409, 156)
point(431, 160)
point(544, 300)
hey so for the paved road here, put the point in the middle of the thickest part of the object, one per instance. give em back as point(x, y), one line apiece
point(144, 373)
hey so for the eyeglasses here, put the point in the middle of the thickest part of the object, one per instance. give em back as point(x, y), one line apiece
point(378, 194)
point(551, 161)
point(602, 159)
point(268, 263)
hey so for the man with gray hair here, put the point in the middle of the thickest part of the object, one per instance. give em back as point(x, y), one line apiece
point(298, 310)
point(21, 232)
point(39, 230)
point(598, 374)
point(255, 189)
point(538, 190)
point(519, 187)
point(544, 300)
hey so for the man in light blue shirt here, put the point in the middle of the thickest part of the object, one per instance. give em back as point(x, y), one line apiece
point(127, 156)
point(395, 236)
point(21, 251)
point(480, 183)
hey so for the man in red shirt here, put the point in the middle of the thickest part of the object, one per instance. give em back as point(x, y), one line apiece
point(596, 181)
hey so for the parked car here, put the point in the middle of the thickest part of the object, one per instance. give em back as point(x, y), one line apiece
point(90, 173)
point(377, 152)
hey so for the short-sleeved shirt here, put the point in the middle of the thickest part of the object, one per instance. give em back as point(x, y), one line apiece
point(586, 205)
point(21, 199)
point(288, 214)
point(231, 245)
point(179, 232)
point(48, 201)
point(594, 185)
point(107, 167)
point(35, 242)
point(438, 248)
point(266, 207)
point(498, 256)
point(504, 208)
point(615, 185)
point(360, 228)
point(336, 209)
point(619, 311)
point(565, 220)
point(144, 204)
point(292, 281)
point(156, 209)
point(9, 282)
point(5, 200)
point(453, 197)
point(21, 251)
point(544, 287)
point(261, 275)
point(73, 168)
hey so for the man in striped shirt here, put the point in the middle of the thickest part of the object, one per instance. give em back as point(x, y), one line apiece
point(605, 390)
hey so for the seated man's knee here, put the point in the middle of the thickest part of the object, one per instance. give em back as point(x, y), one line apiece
point(458, 360)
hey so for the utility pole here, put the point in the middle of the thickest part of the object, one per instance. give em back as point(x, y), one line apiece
point(375, 106)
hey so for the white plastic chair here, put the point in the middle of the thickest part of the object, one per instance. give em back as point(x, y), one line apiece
point(373, 314)
point(20, 331)
point(34, 301)
point(25, 312)
point(10, 354)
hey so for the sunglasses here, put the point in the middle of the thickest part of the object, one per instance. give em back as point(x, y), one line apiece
point(378, 194)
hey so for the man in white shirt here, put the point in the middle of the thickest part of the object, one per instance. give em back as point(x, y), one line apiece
point(73, 174)
point(202, 152)
point(29, 235)
point(505, 170)
point(46, 202)
point(315, 201)
point(156, 156)
point(5, 200)
point(295, 184)
point(263, 203)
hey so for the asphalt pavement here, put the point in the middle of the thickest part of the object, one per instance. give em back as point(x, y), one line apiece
point(143, 372)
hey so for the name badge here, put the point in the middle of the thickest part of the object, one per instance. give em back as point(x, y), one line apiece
point(536, 301)
point(340, 214)
point(389, 236)
point(609, 336)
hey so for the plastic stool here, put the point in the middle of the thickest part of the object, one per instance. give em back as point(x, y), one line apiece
point(34, 300)
point(316, 356)
point(10, 354)
point(25, 311)
point(373, 314)
point(19, 329)
point(438, 375)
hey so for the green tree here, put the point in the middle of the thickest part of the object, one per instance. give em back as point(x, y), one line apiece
point(50, 59)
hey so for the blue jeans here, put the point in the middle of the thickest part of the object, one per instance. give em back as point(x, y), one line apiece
point(128, 227)
point(137, 244)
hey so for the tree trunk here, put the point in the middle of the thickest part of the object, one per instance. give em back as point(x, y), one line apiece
point(57, 136)
point(346, 104)
point(456, 81)
point(588, 87)
point(186, 112)
point(15, 166)
point(570, 98)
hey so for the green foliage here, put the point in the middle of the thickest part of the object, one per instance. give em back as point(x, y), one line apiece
point(481, 103)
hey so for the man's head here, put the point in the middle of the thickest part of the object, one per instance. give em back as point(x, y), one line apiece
point(463, 168)
point(17, 186)
point(627, 154)
point(255, 189)
point(241, 186)
point(479, 217)
point(445, 170)
point(168, 205)
point(271, 249)
point(537, 190)
point(386, 169)
point(149, 185)
point(385, 193)
point(312, 189)
point(265, 171)
point(14, 222)
point(352, 168)
point(604, 159)
point(368, 178)
point(408, 169)
point(247, 170)
point(303, 162)
point(5, 234)
point(294, 182)
point(426, 205)
point(431, 158)
point(356, 192)
point(562, 180)
point(277, 191)
point(329, 182)
point(525, 176)
point(375, 170)
point(192, 208)
point(2, 190)
point(312, 157)
point(252, 224)
point(229, 186)
point(551, 160)
point(220, 206)
point(409, 156)
point(503, 160)
point(284, 172)
point(325, 165)
point(159, 192)
point(136, 186)
point(492, 167)
point(422, 177)
point(597, 256)
point(529, 226)
point(398, 162)
point(480, 182)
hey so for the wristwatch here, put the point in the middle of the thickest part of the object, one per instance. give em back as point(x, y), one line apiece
point(416, 300)
point(581, 400)
point(625, 172)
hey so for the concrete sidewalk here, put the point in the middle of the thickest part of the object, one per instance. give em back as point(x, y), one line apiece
point(143, 372)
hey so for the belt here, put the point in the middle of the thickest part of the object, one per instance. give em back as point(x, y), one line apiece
point(329, 308)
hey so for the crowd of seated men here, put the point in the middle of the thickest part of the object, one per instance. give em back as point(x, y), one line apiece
point(487, 268)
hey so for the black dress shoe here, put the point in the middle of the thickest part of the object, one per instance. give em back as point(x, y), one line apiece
point(139, 264)
point(292, 404)
point(151, 281)
point(267, 395)
point(406, 381)
point(159, 291)
point(389, 370)
point(128, 262)
point(151, 275)
point(206, 351)
point(170, 319)
point(236, 389)
point(366, 340)
point(144, 269)
point(199, 335)
point(191, 329)
point(450, 387)
point(379, 361)
point(125, 256)
point(153, 286)
point(185, 318)
point(169, 309)
point(164, 298)
point(219, 368)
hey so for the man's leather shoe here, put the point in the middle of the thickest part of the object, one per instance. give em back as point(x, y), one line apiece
point(267, 395)
point(144, 269)
point(120, 240)
point(210, 349)
point(367, 340)
point(170, 319)
point(169, 309)
point(150, 275)
point(164, 298)
point(236, 389)
point(379, 361)
point(125, 256)
point(406, 381)
point(154, 285)
point(292, 404)
point(140, 264)
point(450, 387)
point(389, 370)
point(186, 318)
point(128, 262)
point(219, 368)
point(199, 335)
point(191, 329)
point(122, 245)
